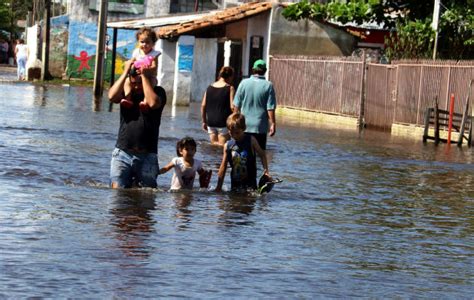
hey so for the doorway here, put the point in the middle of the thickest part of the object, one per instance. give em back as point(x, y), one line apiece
point(234, 56)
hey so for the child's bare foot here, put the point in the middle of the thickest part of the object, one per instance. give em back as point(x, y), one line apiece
point(126, 103)
point(143, 106)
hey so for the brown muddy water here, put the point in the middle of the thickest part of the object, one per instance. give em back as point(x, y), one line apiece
point(367, 215)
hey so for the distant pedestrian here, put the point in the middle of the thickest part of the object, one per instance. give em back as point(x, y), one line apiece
point(217, 105)
point(21, 53)
point(3, 51)
point(255, 99)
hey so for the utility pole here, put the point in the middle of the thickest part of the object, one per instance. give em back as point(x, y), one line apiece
point(100, 50)
point(434, 25)
point(46, 29)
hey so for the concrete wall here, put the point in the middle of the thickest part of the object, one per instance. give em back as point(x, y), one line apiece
point(82, 39)
point(79, 11)
point(33, 42)
point(183, 70)
point(166, 65)
point(308, 38)
point(59, 37)
point(81, 50)
point(204, 66)
point(258, 25)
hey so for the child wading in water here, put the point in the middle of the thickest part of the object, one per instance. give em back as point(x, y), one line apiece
point(186, 166)
point(144, 55)
point(240, 152)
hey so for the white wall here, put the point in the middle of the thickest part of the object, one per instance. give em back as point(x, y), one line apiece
point(32, 43)
point(166, 66)
point(258, 25)
point(204, 67)
point(78, 10)
point(183, 77)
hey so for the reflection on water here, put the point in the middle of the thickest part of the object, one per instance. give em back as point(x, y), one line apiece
point(366, 215)
point(133, 221)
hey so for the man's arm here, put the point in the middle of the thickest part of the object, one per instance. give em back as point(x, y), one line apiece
point(271, 117)
point(151, 98)
point(237, 99)
point(271, 106)
point(116, 91)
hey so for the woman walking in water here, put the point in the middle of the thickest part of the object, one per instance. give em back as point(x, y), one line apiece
point(217, 106)
point(21, 53)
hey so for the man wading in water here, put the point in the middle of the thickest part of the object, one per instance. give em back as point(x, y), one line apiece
point(135, 157)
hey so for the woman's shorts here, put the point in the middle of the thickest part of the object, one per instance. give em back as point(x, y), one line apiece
point(217, 130)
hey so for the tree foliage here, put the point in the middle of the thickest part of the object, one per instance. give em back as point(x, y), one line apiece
point(12, 11)
point(412, 39)
point(409, 21)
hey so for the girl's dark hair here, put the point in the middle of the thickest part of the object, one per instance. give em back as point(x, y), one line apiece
point(182, 143)
point(148, 32)
point(226, 72)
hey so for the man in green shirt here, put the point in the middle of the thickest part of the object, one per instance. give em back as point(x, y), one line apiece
point(255, 99)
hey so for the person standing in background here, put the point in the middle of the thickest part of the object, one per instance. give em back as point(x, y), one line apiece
point(255, 99)
point(217, 105)
point(3, 51)
point(21, 53)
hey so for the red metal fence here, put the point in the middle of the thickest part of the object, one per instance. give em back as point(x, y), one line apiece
point(396, 93)
point(331, 86)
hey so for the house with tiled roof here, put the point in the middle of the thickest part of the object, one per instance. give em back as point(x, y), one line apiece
point(196, 46)
point(195, 41)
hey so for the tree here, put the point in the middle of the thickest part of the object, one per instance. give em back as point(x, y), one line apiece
point(409, 20)
point(12, 11)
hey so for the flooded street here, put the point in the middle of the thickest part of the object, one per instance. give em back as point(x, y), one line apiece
point(368, 215)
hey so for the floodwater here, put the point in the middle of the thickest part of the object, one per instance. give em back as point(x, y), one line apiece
point(356, 215)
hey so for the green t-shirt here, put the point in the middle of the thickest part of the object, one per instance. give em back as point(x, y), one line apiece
point(255, 96)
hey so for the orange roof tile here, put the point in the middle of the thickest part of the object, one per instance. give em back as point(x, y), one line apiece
point(225, 16)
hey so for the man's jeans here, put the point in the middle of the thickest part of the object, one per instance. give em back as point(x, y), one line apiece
point(137, 169)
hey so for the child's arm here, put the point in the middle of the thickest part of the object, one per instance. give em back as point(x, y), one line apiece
point(154, 64)
point(262, 154)
point(222, 169)
point(204, 177)
point(167, 167)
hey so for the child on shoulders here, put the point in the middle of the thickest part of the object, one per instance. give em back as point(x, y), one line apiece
point(240, 152)
point(186, 166)
point(144, 55)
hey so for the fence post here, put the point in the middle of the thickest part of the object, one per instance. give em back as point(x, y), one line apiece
point(450, 123)
point(360, 120)
point(463, 122)
point(420, 82)
point(436, 122)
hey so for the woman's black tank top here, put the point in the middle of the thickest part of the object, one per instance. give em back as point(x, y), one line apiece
point(217, 105)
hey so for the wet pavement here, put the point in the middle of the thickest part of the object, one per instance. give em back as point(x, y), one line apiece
point(7, 73)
